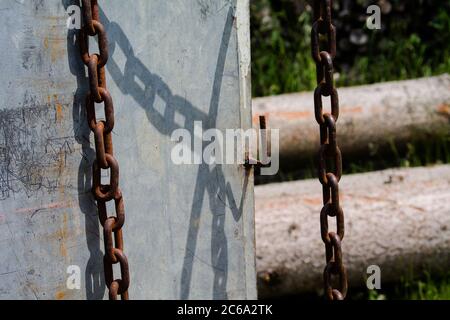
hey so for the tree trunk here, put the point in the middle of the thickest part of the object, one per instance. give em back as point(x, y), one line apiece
point(398, 219)
point(371, 116)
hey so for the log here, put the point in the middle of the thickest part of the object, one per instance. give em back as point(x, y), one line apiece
point(398, 219)
point(371, 116)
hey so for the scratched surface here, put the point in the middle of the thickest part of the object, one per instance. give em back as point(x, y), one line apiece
point(189, 229)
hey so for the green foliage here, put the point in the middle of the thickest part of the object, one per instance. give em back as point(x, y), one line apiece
point(416, 45)
point(280, 47)
point(424, 289)
point(414, 42)
point(423, 150)
point(410, 287)
point(399, 59)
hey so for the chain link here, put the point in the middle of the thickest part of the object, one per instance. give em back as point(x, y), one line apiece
point(112, 225)
point(329, 154)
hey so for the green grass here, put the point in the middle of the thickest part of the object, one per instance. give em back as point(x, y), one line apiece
point(425, 287)
point(418, 287)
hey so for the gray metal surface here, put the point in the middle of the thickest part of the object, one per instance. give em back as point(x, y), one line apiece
point(189, 229)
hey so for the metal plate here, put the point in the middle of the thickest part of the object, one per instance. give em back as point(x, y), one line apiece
point(189, 228)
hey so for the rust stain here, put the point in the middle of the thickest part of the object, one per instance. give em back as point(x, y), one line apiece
point(59, 117)
point(61, 166)
point(55, 44)
point(62, 233)
point(59, 237)
point(59, 109)
point(53, 18)
point(63, 250)
point(59, 112)
point(57, 50)
point(60, 295)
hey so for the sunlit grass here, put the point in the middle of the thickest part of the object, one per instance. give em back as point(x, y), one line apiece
point(426, 287)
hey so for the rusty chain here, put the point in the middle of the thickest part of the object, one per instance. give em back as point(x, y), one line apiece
point(329, 153)
point(112, 225)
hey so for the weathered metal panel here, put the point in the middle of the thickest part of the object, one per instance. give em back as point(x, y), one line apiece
point(189, 228)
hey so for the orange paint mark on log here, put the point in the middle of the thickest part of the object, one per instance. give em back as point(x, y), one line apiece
point(358, 109)
point(293, 115)
point(286, 201)
point(312, 201)
point(288, 115)
point(444, 109)
point(297, 115)
point(271, 206)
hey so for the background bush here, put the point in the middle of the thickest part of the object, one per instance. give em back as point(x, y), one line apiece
point(414, 41)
